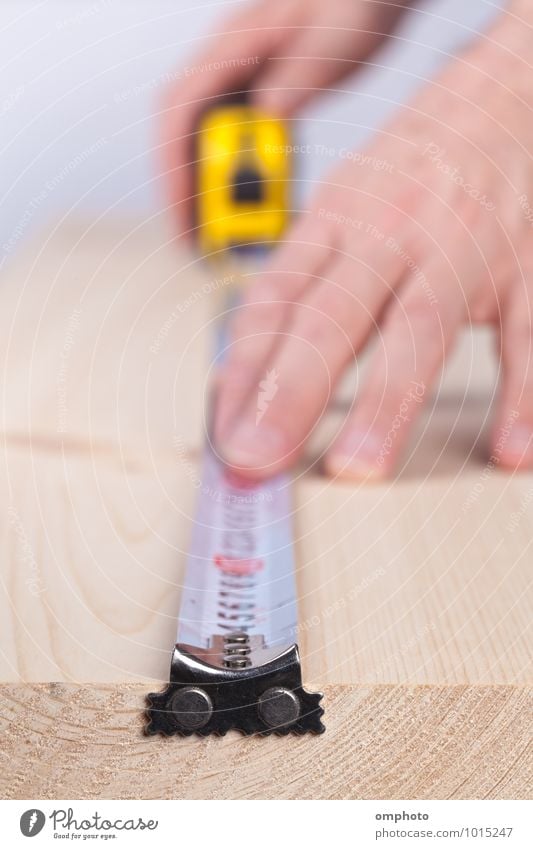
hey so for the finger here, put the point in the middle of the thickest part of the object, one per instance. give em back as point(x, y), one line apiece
point(512, 437)
point(324, 333)
point(320, 54)
point(258, 322)
point(417, 332)
point(317, 58)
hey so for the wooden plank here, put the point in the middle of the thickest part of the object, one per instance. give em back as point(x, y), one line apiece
point(396, 584)
point(414, 609)
point(383, 742)
point(103, 340)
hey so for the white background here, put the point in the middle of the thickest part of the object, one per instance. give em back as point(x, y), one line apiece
point(265, 825)
point(69, 72)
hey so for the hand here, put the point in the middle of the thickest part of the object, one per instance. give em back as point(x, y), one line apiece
point(284, 51)
point(429, 229)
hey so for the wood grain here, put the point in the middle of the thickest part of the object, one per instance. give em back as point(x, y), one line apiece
point(415, 596)
point(383, 742)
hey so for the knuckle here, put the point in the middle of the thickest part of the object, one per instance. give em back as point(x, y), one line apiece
point(415, 325)
point(260, 314)
point(419, 314)
point(333, 301)
point(313, 327)
point(237, 374)
point(418, 306)
point(319, 321)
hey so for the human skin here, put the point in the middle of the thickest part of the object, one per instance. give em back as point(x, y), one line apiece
point(427, 230)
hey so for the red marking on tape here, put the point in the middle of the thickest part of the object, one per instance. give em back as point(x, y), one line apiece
point(233, 479)
point(238, 565)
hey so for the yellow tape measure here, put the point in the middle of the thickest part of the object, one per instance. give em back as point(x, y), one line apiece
point(243, 175)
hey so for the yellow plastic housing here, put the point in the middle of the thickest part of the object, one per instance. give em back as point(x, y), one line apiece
point(242, 178)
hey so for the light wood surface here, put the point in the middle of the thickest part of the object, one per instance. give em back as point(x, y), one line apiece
point(382, 742)
point(414, 595)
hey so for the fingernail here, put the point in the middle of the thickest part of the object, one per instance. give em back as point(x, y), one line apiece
point(252, 446)
point(359, 455)
point(339, 466)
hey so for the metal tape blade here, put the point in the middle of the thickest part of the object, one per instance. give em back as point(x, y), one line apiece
point(240, 569)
